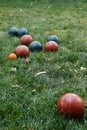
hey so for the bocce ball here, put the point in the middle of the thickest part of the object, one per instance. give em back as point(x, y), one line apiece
point(26, 39)
point(51, 46)
point(71, 105)
point(35, 46)
point(13, 31)
point(22, 51)
point(53, 38)
point(22, 32)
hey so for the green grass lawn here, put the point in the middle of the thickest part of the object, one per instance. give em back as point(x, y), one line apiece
point(28, 102)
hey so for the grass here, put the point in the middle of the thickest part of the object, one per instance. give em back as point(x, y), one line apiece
point(28, 102)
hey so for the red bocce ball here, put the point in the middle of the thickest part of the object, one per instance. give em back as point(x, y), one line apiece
point(26, 39)
point(51, 46)
point(22, 51)
point(71, 105)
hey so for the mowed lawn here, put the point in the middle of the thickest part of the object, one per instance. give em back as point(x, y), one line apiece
point(27, 101)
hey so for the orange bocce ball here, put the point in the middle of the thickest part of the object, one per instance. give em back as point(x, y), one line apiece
point(12, 56)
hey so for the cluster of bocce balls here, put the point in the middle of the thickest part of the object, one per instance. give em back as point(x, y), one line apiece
point(70, 104)
point(29, 44)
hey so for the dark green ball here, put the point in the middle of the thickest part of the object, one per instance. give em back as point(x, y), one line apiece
point(53, 38)
point(35, 46)
point(22, 31)
point(13, 31)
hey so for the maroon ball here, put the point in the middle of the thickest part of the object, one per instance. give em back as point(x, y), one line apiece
point(22, 51)
point(51, 46)
point(26, 39)
point(71, 105)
